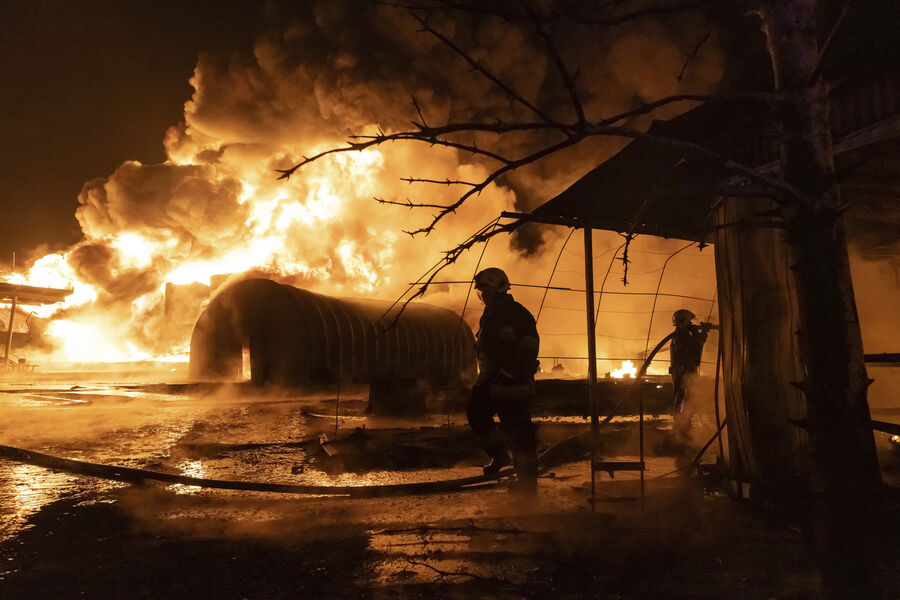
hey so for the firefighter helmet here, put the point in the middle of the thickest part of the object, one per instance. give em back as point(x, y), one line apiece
point(492, 278)
point(682, 317)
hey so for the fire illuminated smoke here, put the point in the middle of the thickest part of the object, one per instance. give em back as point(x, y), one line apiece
point(159, 239)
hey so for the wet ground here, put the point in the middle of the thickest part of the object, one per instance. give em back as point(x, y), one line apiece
point(65, 536)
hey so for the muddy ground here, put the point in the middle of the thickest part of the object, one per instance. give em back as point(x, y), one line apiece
point(64, 536)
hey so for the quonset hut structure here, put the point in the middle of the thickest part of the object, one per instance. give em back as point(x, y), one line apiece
point(299, 338)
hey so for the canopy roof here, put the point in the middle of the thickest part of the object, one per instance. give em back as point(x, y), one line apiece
point(625, 193)
point(27, 294)
point(655, 188)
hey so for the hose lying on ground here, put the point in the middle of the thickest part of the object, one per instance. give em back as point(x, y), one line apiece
point(131, 475)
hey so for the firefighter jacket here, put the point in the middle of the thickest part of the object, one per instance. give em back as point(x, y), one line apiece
point(687, 346)
point(507, 347)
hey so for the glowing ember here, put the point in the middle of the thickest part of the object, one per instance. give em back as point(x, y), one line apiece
point(626, 370)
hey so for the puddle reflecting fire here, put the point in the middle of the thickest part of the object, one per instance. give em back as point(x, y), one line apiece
point(24, 489)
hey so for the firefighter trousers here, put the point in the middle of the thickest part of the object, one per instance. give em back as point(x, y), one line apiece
point(682, 381)
point(514, 432)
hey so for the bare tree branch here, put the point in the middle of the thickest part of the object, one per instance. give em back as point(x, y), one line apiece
point(769, 98)
point(407, 203)
point(827, 45)
point(421, 124)
point(629, 237)
point(432, 135)
point(483, 70)
point(568, 79)
point(427, 136)
point(450, 257)
point(445, 181)
point(492, 177)
point(690, 58)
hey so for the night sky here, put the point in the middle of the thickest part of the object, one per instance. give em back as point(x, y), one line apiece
point(87, 85)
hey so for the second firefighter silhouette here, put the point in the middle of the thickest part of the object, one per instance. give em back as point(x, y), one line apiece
point(685, 353)
point(507, 347)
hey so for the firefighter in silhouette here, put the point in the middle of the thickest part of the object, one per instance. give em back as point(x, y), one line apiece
point(507, 347)
point(685, 352)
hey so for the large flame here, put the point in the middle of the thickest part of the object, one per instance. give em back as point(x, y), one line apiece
point(160, 239)
point(316, 230)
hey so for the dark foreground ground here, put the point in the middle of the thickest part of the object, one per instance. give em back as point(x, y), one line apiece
point(150, 543)
point(71, 537)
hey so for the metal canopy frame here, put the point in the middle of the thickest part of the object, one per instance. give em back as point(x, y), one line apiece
point(591, 330)
point(25, 294)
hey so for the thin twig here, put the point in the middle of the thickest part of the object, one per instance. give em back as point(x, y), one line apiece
point(445, 181)
point(450, 257)
point(408, 203)
point(768, 98)
point(425, 135)
point(477, 66)
point(827, 45)
point(415, 103)
point(692, 56)
point(625, 260)
point(568, 79)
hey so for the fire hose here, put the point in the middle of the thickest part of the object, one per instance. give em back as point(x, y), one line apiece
point(140, 476)
point(134, 475)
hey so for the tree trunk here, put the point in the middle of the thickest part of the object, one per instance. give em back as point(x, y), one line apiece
point(846, 479)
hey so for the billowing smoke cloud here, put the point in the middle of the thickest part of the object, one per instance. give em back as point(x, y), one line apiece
point(323, 71)
point(185, 202)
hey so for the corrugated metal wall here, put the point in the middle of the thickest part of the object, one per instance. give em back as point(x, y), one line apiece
point(297, 337)
point(758, 317)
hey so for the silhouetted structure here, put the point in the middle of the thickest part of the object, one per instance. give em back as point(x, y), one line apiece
point(297, 337)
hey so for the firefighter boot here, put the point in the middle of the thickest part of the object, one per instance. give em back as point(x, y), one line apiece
point(499, 459)
point(526, 475)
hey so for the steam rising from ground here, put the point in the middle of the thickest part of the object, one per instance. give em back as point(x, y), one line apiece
point(321, 72)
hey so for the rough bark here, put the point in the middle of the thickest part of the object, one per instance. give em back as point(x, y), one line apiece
point(846, 479)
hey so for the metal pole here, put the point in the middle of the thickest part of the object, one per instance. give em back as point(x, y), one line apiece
point(592, 351)
point(9, 333)
point(640, 385)
point(337, 405)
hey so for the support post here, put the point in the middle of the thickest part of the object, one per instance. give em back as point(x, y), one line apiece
point(9, 333)
point(592, 350)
